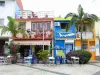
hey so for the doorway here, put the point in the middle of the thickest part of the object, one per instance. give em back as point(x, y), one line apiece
point(24, 50)
point(37, 49)
point(68, 47)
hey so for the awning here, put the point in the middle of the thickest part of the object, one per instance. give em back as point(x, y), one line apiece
point(32, 42)
point(69, 41)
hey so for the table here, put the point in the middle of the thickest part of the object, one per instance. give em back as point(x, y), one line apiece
point(75, 59)
point(51, 60)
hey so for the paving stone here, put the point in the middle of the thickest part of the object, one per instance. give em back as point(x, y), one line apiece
point(41, 69)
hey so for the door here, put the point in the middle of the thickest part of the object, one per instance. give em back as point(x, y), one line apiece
point(68, 47)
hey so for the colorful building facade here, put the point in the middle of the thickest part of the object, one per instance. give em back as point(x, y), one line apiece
point(39, 29)
point(71, 39)
point(63, 39)
point(7, 8)
point(88, 40)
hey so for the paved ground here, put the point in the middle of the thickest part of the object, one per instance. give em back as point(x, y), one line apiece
point(40, 69)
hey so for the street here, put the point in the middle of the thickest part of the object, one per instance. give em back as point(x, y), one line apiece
point(40, 69)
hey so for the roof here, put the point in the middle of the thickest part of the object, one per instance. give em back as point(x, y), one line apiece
point(62, 19)
point(19, 2)
point(35, 19)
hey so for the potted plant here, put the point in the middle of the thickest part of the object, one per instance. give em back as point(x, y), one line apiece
point(43, 55)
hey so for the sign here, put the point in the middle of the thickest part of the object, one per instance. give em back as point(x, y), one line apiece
point(69, 41)
point(92, 48)
point(57, 23)
point(77, 47)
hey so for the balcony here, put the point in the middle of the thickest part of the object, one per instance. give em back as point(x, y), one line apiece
point(85, 35)
point(47, 35)
point(26, 14)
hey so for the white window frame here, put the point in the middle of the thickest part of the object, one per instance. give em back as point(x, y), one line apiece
point(2, 3)
point(1, 24)
point(23, 26)
point(32, 27)
point(47, 26)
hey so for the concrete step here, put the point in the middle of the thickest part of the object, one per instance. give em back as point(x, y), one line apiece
point(98, 58)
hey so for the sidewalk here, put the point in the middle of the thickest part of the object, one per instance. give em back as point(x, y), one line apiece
point(65, 69)
point(94, 61)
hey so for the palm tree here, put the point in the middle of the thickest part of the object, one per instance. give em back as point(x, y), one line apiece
point(12, 27)
point(81, 19)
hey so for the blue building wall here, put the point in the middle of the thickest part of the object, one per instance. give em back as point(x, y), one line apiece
point(60, 43)
point(16, 7)
point(58, 31)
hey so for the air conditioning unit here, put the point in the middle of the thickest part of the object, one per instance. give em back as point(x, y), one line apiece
point(57, 23)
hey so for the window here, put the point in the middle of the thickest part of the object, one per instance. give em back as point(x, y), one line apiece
point(57, 23)
point(22, 25)
point(84, 45)
point(1, 22)
point(2, 3)
point(64, 25)
point(48, 26)
point(39, 26)
point(33, 26)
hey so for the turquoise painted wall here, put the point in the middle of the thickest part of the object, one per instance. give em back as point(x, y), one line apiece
point(60, 43)
point(57, 30)
point(16, 7)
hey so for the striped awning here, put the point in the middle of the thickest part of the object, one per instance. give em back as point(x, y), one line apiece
point(32, 42)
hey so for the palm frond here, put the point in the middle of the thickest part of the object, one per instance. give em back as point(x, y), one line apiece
point(4, 29)
point(80, 11)
point(11, 23)
point(70, 15)
point(73, 20)
point(90, 21)
point(21, 31)
point(93, 16)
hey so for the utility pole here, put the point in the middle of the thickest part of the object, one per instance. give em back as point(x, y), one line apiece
point(43, 35)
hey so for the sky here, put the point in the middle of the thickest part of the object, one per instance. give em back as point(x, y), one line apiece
point(62, 7)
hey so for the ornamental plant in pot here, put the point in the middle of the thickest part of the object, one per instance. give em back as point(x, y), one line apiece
point(43, 55)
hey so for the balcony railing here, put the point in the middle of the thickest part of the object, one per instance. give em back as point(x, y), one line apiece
point(25, 14)
point(36, 35)
point(85, 35)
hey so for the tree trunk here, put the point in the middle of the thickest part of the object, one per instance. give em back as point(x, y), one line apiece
point(81, 40)
point(13, 35)
point(81, 36)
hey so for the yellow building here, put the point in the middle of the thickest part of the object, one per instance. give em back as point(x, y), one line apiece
point(97, 27)
point(88, 41)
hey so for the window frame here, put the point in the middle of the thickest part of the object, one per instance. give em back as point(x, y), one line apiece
point(47, 26)
point(84, 45)
point(24, 25)
point(3, 22)
point(32, 26)
point(41, 26)
point(67, 25)
point(2, 3)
